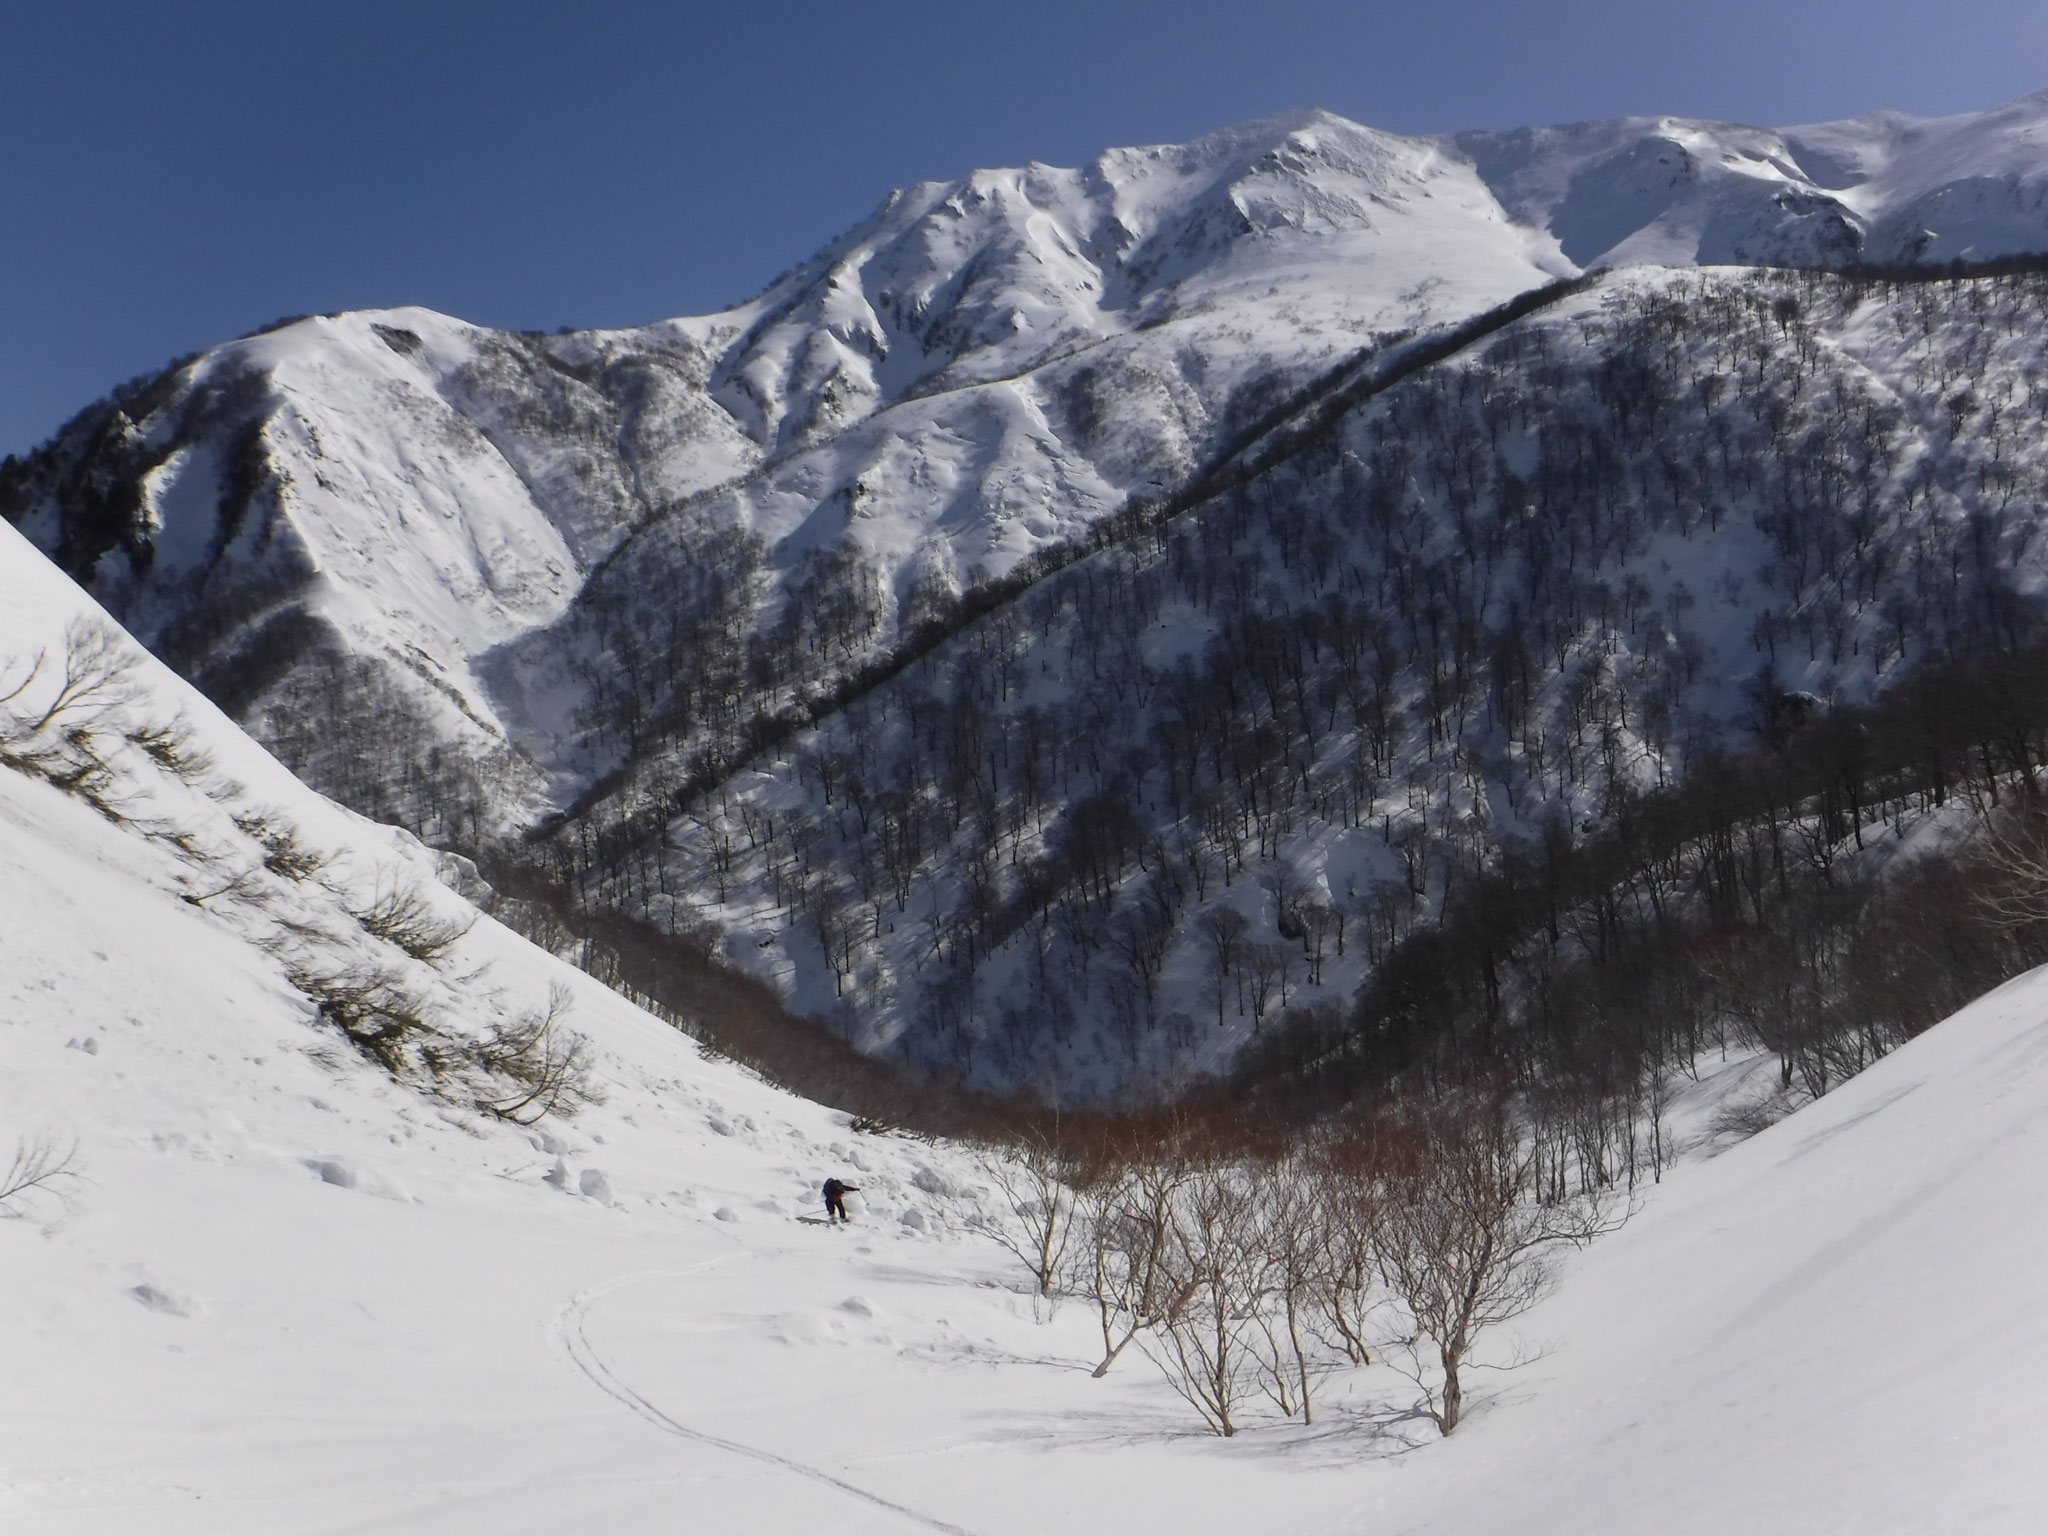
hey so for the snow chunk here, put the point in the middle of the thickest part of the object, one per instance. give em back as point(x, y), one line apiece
point(346, 1173)
point(333, 1170)
point(932, 1182)
point(169, 1302)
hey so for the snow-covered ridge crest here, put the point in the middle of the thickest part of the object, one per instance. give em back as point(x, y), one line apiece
point(1886, 187)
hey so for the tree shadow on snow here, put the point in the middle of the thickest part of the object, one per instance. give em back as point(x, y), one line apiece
point(1342, 1434)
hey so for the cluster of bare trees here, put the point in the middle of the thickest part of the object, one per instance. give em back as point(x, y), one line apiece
point(1761, 904)
point(61, 718)
point(373, 736)
point(1245, 1271)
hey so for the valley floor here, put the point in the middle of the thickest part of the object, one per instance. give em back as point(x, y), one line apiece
point(294, 1298)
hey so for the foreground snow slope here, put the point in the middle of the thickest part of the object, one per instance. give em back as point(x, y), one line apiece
point(294, 1297)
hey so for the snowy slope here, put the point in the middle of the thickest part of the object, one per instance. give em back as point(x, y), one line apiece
point(392, 486)
point(1832, 1327)
point(1885, 187)
point(294, 1297)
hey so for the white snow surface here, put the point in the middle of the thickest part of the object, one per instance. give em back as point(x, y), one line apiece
point(293, 1296)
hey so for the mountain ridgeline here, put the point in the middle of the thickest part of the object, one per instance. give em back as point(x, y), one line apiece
point(1305, 603)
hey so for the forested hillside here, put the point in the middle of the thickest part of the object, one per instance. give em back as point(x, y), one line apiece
point(1209, 765)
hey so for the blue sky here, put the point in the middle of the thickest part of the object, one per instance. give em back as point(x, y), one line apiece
point(175, 174)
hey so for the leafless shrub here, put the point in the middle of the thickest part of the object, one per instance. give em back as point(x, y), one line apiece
point(2013, 849)
point(1289, 1255)
point(77, 767)
point(41, 1166)
point(284, 853)
point(402, 914)
point(1204, 1346)
point(246, 886)
point(1033, 1218)
point(1743, 1118)
point(548, 1065)
point(30, 671)
point(170, 745)
point(289, 937)
point(1344, 1283)
point(1125, 1215)
point(59, 741)
point(1464, 1244)
point(379, 1014)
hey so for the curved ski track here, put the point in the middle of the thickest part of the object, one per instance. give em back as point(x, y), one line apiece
point(566, 1333)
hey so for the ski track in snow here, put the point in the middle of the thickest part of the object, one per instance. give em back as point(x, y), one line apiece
point(566, 1333)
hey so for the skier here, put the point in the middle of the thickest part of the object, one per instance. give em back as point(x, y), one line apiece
point(835, 1200)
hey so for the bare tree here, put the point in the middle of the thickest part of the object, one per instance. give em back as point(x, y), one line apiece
point(1268, 969)
point(1214, 1259)
point(98, 667)
point(1223, 929)
point(41, 1165)
point(1465, 1246)
point(1032, 1178)
point(547, 1064)
point(1126, 1212)
point(1319, 921)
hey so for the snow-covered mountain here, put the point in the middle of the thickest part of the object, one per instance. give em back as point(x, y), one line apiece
point(983, 367)
point(290, 1294)
point(462, 578)
point(1883, 188)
